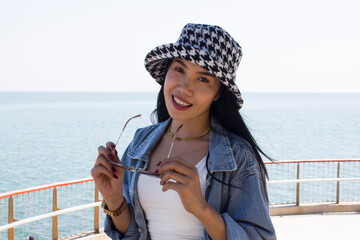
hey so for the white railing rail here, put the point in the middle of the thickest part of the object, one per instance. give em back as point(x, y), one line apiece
point(12, 223)
point(313, 180)
point(309, 174)
point(49, 215)
point(97, 204)
point(27, 212)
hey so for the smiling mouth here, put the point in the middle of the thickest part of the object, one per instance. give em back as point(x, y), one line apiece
point(181, 103)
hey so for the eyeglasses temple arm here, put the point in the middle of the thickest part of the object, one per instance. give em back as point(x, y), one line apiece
point(172, 143)
point(139, 115)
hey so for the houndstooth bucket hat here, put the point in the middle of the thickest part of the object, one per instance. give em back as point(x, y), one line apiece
point(210, 47)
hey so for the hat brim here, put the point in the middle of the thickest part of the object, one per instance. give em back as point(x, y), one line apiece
point(157, 60)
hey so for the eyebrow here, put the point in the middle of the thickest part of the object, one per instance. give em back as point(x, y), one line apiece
point(184, 65)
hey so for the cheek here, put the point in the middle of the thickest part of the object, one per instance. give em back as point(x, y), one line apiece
point(208, 92)
point(169, 80)
point(168, 86)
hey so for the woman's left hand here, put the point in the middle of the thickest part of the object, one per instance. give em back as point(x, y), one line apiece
point(187, 183)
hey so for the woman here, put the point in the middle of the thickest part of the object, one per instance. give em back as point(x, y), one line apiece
point(213, 184)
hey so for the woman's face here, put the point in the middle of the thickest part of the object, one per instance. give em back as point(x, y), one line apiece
point(189, 91)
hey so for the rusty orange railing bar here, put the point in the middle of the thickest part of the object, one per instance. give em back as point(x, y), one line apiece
point(44, 187)
point(96, 198)
point(54, 186)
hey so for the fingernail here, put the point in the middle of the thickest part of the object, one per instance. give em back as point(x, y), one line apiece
point(110, 156)
point(158, 164)
point(116, 177)
point(112, 145)
point(157, 171)
point(113, 169)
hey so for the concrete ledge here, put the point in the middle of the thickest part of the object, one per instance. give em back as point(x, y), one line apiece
point(329, 226)
point(314, 208)
point(99, 236)
point(92, 235)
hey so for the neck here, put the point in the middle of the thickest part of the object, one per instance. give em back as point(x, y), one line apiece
point(189, 128)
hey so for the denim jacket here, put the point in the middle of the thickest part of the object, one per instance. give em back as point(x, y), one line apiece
point(244, 208)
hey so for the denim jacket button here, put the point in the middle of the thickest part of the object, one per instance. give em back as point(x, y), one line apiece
point(140, 230)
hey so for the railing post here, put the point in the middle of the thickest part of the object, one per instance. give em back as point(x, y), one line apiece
point(11, 219)
point(298, 185)
point(55, 227)
point(97, 212)
point(338, 184)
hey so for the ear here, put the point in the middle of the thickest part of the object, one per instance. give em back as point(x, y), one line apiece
point(218, 94)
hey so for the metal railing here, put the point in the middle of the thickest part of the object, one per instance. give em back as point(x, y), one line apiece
point(313, 181)
point(56, 211)
point(68, 209)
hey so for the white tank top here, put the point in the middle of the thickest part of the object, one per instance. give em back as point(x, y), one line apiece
point(166, 217)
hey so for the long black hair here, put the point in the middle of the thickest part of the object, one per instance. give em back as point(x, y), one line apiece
point(227, 113)
point(225, 110)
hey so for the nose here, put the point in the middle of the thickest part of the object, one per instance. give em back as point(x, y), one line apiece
point(186, 85)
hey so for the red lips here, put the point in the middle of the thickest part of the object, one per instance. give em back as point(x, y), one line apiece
point(178, 106)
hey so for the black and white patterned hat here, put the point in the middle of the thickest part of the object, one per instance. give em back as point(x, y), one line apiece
point(210, 47)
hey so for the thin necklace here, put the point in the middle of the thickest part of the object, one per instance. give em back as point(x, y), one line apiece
point(189, 138)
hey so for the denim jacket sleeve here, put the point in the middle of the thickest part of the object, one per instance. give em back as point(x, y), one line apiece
point(247, 217)
point(112, 233)
point(139, 148)
point(244, 205)
point(109, 227)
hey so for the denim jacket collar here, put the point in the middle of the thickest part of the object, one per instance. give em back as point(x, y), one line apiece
point(221, 155)
point(143, 149)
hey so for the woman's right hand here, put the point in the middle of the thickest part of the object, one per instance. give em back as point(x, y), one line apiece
point(108, 178)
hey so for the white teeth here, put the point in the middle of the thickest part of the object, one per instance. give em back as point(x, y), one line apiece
point(178, 101)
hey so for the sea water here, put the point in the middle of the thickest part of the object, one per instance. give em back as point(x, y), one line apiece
point(53, 137)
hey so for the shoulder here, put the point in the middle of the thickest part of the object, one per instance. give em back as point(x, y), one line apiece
point(248, 170)
point(145, 131)
point(244, 155)
point(231, 149)
point(241, 146)
point(237, 141)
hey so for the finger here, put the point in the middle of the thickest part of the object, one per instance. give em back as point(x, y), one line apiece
point(105, 152)
point(173, 186)
point(98, 171)
point(175, 176)
point(102, 161)
point(110, 155)
point(175, 165)
point(178, 159)
point(111, 146)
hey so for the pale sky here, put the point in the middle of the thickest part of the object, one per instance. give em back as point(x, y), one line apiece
point(87, 45)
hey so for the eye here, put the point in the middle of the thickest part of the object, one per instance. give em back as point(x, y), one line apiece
point(203, 79)
point(179, 69)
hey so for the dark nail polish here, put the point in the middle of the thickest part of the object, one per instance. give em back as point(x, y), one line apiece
point(157, 171)
point(158, 164)
point(116, 177)
point(113, 169)
point(112, 145)
point(110, 156)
